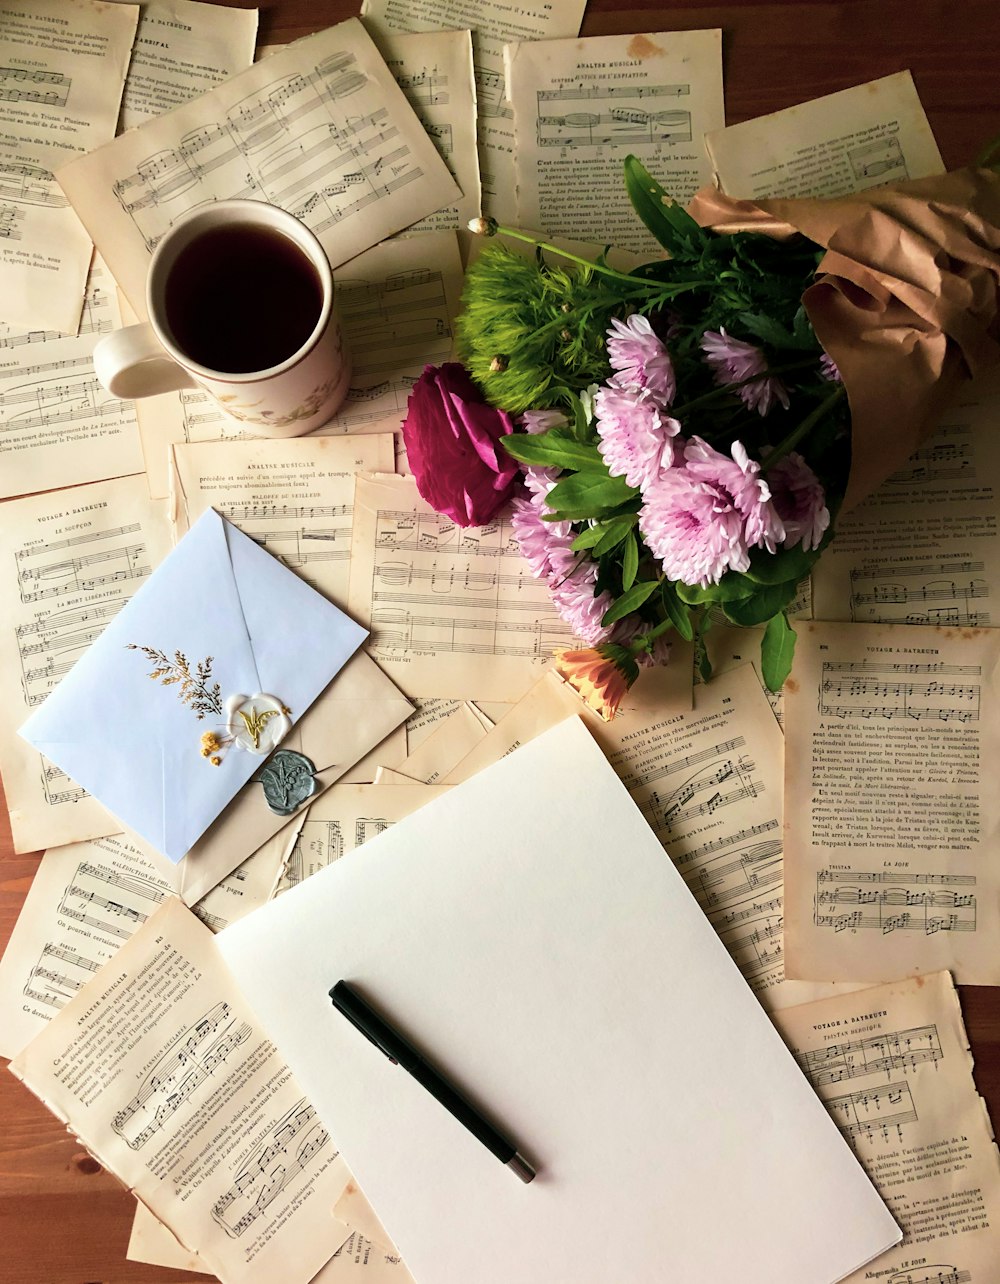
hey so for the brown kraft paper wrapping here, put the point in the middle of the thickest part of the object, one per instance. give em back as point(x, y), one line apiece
point(904, 301)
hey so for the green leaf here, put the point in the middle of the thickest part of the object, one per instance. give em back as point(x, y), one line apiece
point(777, 650)
point(766, 601)
point(731, 588)
point(630, 601)
point(669, 222)
point(589, 494)
point(589, 537)
point(553, 449)
point(768, 330)
point(678, 614)
point(779, 568)
point(630, 560)
point(614, 532)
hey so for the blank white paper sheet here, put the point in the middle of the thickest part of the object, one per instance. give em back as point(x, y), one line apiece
point(528, 933)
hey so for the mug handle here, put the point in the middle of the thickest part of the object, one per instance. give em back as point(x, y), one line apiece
point(132, 363)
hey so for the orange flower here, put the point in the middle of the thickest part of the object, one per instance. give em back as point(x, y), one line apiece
point(600, 674)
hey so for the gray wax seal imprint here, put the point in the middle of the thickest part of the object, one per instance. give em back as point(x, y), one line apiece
point(288, 778)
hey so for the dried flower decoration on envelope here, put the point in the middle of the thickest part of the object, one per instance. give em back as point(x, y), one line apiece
point(255, 723)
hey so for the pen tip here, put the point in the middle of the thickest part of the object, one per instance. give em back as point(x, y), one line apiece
point(520, 1165)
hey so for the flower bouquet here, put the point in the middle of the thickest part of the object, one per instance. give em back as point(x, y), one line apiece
point(686, 432)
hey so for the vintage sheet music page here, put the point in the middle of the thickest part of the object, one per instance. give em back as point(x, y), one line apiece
point(398, 303)
point(581, 106)
point(452, 611)
point(58, 426)
point(86, 899)
point(346, 817)
point(435, 71)
point(62, 70)
point(708, 782)
point(845, 142)
point(357, 1261)
point(493, 24)
point(159, 1066)
point(72, 559)
point(925, 548)
point(320, 129)
point(893, 752)
point(450, 743)
point(294, 497)
point(893, 1067)
point(183, 48)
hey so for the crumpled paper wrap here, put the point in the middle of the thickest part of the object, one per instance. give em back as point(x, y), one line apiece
point(905, 300)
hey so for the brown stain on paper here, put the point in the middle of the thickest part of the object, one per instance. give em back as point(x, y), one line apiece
point(642, 47)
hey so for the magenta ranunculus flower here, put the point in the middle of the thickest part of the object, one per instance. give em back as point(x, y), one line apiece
point(452, 440)
point(636, 435)
point(640, 359)
point(732, 361)
point(800, 501)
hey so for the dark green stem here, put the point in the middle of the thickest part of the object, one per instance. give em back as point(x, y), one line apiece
point(718, 394)
point(806, 426)
point(637, 282)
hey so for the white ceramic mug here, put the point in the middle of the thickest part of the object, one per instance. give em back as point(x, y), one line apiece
point(288, 397)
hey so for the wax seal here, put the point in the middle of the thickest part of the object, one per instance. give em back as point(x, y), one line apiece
point(257, 723)
point(288, 779)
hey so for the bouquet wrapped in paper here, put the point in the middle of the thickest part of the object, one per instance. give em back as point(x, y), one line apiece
point(687, 431)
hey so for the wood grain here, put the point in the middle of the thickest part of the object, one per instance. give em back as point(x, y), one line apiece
point(65, 1221)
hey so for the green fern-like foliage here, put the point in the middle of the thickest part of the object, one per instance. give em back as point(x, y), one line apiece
point(530, 330)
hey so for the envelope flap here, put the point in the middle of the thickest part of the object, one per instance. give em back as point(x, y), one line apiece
point(299, 638)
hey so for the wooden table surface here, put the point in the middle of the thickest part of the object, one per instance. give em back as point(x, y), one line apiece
point(63, 1220)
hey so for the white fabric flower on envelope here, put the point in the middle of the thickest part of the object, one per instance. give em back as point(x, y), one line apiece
point(154, 719)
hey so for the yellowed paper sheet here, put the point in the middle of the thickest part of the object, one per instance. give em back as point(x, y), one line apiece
point(387, 776)
point(62, 70)
point(708, 781)
point(398, 303)
point(295, 498)
point(430, 712)
point(159, 1067)
point(582, 106)
point(346, 817)
point(391, 750)
point(85, 901)
point(925, 548)
point(356, 1259)
point(72, 559)
point(845, 142)
point(450, 743)
point(183, 48)
point(453, 612)
point(434, 69)
point(58, 426)
point(320, 129)
point(893, 752)
point(249, 885)
point(893, 1067)
point(493, 24)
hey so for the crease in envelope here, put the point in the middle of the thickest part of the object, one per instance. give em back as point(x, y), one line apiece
point(131, 741)
point(356, 712)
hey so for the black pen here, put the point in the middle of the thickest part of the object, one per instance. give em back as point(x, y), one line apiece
point(347, 1000)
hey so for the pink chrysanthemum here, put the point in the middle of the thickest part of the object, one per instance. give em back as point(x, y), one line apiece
point(732, 361)
point(694, 528)
point(572, 589)
point(740, 477)
point(799, 500)
point(640, 359)
point(534, 537)
point(635, 435)
point(634, 626)
point(829, 370)
point(536, 421)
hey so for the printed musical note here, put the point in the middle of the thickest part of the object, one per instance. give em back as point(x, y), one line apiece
point(868, 689)
point(873, 1112)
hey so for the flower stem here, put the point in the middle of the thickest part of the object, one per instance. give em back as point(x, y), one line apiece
point(807, 424)
point(717, 394)
point(637, 282)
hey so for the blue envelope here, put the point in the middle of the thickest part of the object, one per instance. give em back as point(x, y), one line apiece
point(193, 684)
